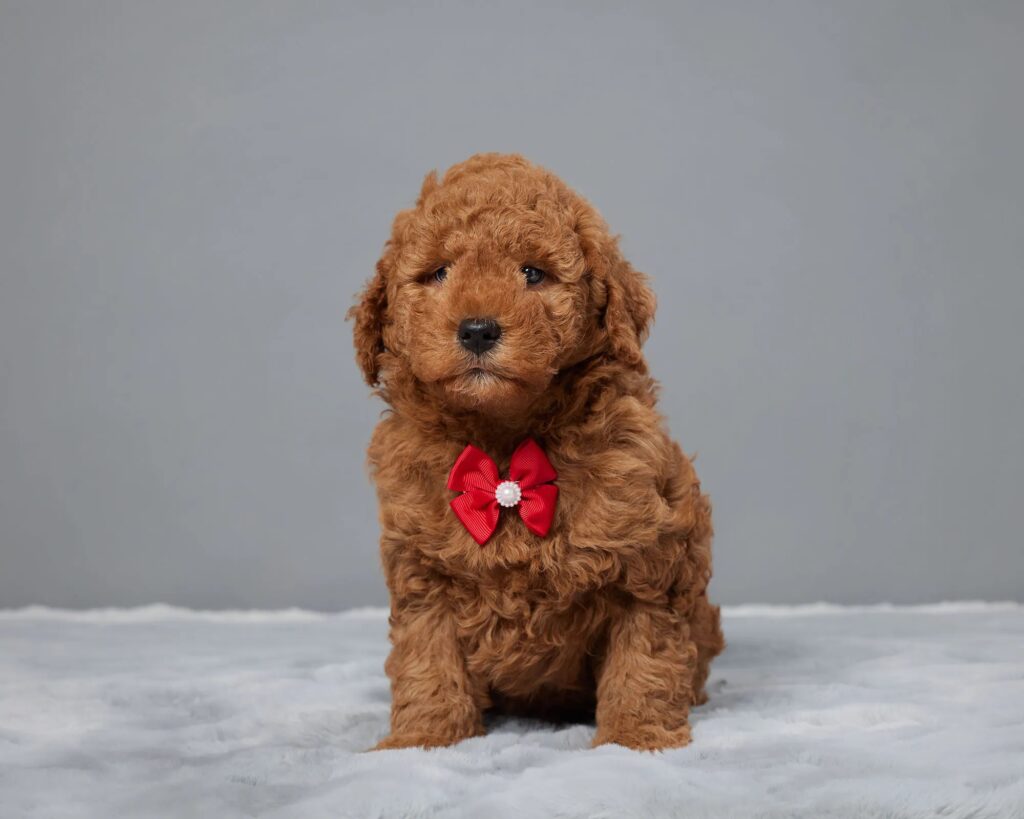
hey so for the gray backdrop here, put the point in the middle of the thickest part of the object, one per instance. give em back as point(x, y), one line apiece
point(828, 197)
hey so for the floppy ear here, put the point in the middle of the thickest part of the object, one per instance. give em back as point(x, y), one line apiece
point(368, 317)
point(625, 300)
point(370, 313)
point(629, 312)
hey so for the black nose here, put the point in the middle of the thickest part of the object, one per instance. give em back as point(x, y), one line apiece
point(478, 335)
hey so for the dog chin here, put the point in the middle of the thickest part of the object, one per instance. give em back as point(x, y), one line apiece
point(487, 392)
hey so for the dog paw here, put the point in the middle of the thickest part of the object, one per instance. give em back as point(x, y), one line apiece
point(644, 737)
point(418, 740)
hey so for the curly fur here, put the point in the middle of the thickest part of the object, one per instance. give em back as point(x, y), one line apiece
point(607, 616)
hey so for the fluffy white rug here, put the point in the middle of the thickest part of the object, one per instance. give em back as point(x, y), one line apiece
point(815, 711)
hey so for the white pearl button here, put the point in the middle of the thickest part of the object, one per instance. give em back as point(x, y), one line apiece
point(508, 493)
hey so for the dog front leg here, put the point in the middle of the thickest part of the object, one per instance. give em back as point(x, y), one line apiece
point(432, 697)
point(645, 680)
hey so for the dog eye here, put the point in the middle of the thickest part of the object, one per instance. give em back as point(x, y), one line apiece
point(534, 275)
point(440, 274)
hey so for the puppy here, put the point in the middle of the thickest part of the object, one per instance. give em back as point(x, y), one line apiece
point(545, 542)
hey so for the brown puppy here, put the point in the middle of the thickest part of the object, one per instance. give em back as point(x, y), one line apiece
point(606, 613)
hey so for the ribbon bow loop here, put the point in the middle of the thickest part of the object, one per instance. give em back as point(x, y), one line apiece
point(529, 487)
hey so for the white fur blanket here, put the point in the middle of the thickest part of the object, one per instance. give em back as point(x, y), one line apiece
point(815, 711)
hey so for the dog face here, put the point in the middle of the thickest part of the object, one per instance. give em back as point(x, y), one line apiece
point(496, 280)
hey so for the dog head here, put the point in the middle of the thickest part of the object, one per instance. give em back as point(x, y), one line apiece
point(498, 278)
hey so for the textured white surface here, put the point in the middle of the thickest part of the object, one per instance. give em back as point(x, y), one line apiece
point(815, 711)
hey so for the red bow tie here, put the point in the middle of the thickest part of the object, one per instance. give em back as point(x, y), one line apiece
point(483, 492)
